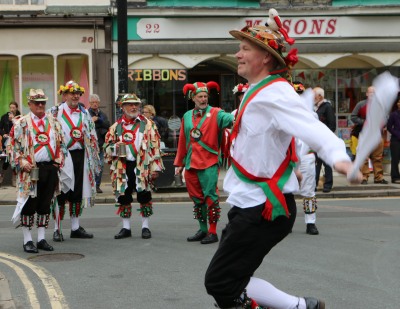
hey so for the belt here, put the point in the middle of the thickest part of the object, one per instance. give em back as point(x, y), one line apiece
point(45, 163)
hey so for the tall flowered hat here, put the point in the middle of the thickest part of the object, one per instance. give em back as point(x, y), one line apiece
point(271, 37)
point(240, 88)
point(71, 87)
point(130, 98)
point(298, 87)
point(37, 95)
point(192, 89)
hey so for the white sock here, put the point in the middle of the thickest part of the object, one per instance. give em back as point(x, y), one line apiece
point(27, 234)
point(145, 222)
point(55, 226)
point(310, 218)
point(40, 233)
point(265, 294)
point(74, 223)
point(126, 223)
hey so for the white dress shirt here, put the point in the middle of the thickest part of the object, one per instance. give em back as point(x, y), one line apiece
point(42, 155)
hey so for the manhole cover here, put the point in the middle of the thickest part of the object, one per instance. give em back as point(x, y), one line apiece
point(56, 257)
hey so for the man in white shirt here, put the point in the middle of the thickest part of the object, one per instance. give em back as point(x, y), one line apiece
point(261, 180)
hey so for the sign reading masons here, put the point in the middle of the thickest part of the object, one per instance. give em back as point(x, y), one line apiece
point(156, 74)
point(305, 26)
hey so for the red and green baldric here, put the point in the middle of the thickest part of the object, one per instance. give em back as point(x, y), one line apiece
point(275, 204)
point(43, 139)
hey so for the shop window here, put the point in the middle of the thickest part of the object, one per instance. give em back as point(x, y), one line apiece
point(37, 72)
point(22, 2)
point(8, 82)
point(205, 3)
point(364, 2)
point(74, 67)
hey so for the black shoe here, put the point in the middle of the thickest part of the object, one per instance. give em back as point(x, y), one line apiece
point(198, 236)
point(146, 234)
point(30, 247)
point(98, 190)
point(326, 190)
point(81, 233)
point(313, 303)
point(43, 245)
point(382, 181)
point(209, 239)
point(57, 236)
point(364, 182)
point(396, 181)
point(312, 229)
point(123, 233)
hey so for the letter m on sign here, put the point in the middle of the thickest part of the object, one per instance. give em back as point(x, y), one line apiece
point(252, 23)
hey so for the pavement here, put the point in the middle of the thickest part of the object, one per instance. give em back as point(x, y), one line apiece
point(341, 189)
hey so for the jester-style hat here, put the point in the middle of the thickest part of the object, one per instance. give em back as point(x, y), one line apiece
point(190, 90)
point(298, 87)
point(240, 88)
point(71, 87)
point(37, 95)
point(270, 37)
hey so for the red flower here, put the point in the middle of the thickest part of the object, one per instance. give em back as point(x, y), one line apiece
point(291, 59)
point(273, 44)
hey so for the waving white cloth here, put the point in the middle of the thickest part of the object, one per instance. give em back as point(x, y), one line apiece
point(386, 89)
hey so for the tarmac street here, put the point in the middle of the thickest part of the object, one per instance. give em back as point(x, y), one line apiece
point(353, 263)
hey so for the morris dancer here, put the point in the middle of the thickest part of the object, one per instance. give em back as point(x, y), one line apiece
point(135, 167)
point(307, 183)
point(199, 150)
point(82, 163)
point(261, 180)
point(36, 146)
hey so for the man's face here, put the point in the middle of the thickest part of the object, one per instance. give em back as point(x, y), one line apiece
point(72, 99)
point(94, 104)
point(251, 60)
point(317, 98)
point(13, 109)
point(370, 91)
point(38, 108)
point(131, 110)
point(200, 100)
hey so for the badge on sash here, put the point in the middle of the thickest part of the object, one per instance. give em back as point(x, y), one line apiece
point(128, 137)
point(76, 134)
point(196, 134)
point(42, 138)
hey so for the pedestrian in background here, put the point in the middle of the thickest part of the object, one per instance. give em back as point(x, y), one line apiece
point(358, 116)
point(101, 126)
point(36, 145)
point(162, 124)
point(326, 115)
point(393, 126)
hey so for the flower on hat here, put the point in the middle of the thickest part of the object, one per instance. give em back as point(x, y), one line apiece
point(130, 98)
point(291, 59)
point(71, 86)
point(37, 95)
point(298, 87)
point(240, 88)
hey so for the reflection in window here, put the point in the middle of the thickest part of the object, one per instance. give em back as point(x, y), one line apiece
point(37, 72)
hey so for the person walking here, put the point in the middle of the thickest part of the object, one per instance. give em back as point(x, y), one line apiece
point(102, 125)
point(261, 181)
point(36, 150)
point(358, 116)
point(82, 163)
point(326, 115)
point(199, 152)
point(393, 126)
point(132, 147)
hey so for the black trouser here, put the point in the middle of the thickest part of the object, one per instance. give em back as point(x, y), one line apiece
point(328, 174)
point(245, 241)
point(395, 154)
point(75, 196)
point(142, 197)
point(48, 180)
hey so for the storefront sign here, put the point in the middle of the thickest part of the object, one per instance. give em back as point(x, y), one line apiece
point(306, 27)
point(154, 75)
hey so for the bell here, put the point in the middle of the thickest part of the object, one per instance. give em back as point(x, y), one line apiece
point(35, 174)
point(178, 180)
point(122, 150)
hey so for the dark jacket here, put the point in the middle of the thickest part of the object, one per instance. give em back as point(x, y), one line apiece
point(326, 115)
point(6, 124)
point(393, 125)
point(102, 125)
